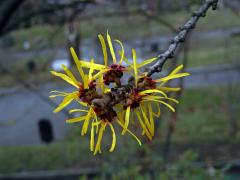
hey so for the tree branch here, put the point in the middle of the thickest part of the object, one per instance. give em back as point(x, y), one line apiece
point(47, 10)
point(118, 94)
point(8, 12)
point(159, 20)
point(180, 37)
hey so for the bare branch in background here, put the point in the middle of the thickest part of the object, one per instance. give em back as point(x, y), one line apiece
point(46, 10)
point(17, 22)
point(232, 110)
point(159, 20)
point(8, 9)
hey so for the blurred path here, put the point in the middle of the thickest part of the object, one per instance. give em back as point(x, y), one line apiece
point(213, 75)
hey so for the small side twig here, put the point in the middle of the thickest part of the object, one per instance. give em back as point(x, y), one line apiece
point(181, 36)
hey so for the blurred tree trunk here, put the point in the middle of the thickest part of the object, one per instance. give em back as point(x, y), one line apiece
point(231, 110)
point(174, 116)
point(40, 9)
point(8, 9)
point(73, 39)
point(231, 99)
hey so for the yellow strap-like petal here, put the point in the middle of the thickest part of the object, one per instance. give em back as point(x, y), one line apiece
point(160, 97)
point(67, 100)
point(70, 74)
point(127, 116)
point(96, 122)
point(177, 69)
point(111, 48)
point(86, 122)
point(77, 110)
point(135, 66)
point(91, 70)
point(166, 104)
point(77, 62)
point(146, 62)
point(96, 66)
point(102, 84)
point(60, 92)
point(139, 142)
point(101, 72)
point(104, 49)
point(169, 89)
point(113, 138)
point(159, 109)
point(143, 126)
point(153, 91)
point(92, 138)
point(100, 135)
point(57, 95)
point(82, 103)
point(122, 50)
point(151, 118)
point(167, 78)
point(121, 116)
point(77, 119)
point(85, 81)
point(65, 78)
point(143, 110)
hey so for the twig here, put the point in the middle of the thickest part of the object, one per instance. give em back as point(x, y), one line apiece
point(180, 37)
point(118, 94)
point(162, 21)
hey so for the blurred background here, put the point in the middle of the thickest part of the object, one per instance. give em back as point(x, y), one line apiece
point(200, 141)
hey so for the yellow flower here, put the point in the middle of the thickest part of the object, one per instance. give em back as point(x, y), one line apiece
point(146, 93)
point(112, 73)
point(84, 95)
point(93, 118)
point(85, 90)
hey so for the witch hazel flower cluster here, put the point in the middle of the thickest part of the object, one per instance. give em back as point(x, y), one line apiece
point(100, 108)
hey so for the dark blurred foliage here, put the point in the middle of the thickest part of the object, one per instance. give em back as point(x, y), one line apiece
point(17, 14)
point(25, 13)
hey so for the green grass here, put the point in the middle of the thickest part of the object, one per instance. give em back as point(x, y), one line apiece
point(204, 115)
point(219, 55)
point(38, 37)
point(203, 119)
